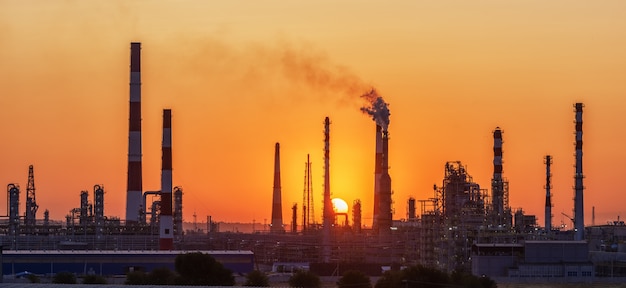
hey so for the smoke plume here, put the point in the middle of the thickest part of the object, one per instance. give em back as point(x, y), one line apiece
point(377, 108)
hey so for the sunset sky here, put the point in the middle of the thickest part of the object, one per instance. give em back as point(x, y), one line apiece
point(240, 76)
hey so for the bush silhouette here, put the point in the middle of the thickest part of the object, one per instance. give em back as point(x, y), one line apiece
point(257, 278)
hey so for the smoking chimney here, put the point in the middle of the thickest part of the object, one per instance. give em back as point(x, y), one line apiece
point(579, 218)
point(384, 210)
point(548, 212)
point(277, 212)
point(328, 216)
point(134, 184)
point(378, 167)
point(166, 230)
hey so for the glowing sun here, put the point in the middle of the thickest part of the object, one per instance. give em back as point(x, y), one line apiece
point(339, 206)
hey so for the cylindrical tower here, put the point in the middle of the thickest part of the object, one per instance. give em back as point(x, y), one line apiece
point(548, 187)
point(328, 215)
point(98, 199)
point(411, 214)
point(166, 230)
point(497, 189)
point(14, 209)
point(84, 208)
point(579, 218)
point(385, 217)
point(178, 211)
point(294, 218)
point(377, 173)
point(134, 184)
point(277, 206)
point(356, 215)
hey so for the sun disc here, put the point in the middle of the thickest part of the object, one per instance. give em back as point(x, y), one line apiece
point(339, 205)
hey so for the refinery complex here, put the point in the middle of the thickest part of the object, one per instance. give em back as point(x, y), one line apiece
point(463, 227)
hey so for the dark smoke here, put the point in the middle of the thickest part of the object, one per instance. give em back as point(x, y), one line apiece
point(378, 108)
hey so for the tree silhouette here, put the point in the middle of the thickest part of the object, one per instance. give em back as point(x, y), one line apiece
point(64, 278)
point(354, 279)
point(202, 269)
point(161, 276)
point(257, 278)
point(304, 279)
point(94, 279)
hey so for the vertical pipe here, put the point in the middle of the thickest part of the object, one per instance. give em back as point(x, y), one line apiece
point(548, 210)
point(579, 218)
point(134, 184)
point(328, 206)
point(277, 212)
point(166, 225)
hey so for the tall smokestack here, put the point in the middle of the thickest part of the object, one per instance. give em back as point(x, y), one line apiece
point(548, 212)
point(579, 218)
point(384, 210)
point(134, 184)
point(378, 167)
point(277, 212)
point(328, 216)
point(166, 230)
point(497, 185)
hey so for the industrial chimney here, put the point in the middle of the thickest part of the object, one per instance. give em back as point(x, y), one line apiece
point(134, 184)
point(384, 210)
point(377, 173)
point(277, 212)
point(579, 218)
point(166, 230)
point(548, 210)
point(501, 212)
point(328, 215)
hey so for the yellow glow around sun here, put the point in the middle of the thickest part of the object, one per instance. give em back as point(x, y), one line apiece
point(339, 205)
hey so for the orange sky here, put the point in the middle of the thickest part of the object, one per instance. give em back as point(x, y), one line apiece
point(242, 75)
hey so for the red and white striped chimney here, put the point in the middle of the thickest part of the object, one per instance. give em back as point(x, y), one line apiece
point(166, 230)
point(134, 184)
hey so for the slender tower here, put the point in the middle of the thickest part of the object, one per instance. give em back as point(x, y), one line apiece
point(166, 230)
point(277, 209)
point(579, 218)
point(377, 173)
point(308, 214)
point(31, 204)
point(548, 212)
point(385, 211)
point(497, 185)
point(134, 186)
point(328, 215)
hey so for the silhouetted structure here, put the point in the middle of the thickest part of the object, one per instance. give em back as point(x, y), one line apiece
point(134, 186)
point(277, 212)
point(166, 224)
